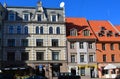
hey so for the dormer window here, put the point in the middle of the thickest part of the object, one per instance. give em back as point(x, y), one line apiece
point(11, 16)
point(39, 17)
point(54, 18)
point(102, 28)
point(86, 32)
point(26, 16)
point(73, 32)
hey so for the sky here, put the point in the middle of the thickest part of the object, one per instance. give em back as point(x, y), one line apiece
point(89, 9)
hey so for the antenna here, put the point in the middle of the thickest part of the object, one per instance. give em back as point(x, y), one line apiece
point(62, 4)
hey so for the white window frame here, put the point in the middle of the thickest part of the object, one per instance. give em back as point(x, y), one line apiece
point(28, 16)
point(56, 17)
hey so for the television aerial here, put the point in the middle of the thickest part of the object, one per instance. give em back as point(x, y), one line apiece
point(62, 4)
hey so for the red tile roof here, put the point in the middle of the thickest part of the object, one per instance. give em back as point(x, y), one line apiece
point(96, 27)
point(80, 24)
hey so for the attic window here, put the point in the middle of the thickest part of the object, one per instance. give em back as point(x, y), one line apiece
point(116, 34)
point(109, 34)
point(86, 32)
point(102, 28)
point(73, 32)
point(11, 16)
point(100, 34)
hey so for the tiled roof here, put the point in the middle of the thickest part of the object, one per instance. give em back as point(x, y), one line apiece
point(80, 24)
point(108, 27)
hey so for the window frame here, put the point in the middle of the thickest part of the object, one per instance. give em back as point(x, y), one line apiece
point(24, 19)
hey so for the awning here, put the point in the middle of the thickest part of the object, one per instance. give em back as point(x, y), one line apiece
point(110, 66)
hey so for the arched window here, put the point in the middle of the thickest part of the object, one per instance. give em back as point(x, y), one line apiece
point(11, 29)
point(18, 30)
point(37, 30)
point(58, 30)
point(50, 30)
point(41, 30)
point(26, 30)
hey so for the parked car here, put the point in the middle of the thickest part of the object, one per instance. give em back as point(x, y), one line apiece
point(67, 75)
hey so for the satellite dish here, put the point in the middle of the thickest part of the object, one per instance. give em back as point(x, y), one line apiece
point(62, 4)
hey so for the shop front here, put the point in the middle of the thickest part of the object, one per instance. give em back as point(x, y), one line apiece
point(88, 70)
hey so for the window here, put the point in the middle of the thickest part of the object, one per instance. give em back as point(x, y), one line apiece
point(24, 56)
point(18, 30)
point(39, 42)
point(112, 57)
point(39, 17)
point(104, 58)
point(103, 46)
point(58, 30)
point(81, 58)
point(119, 46)
point(90, 45)
point(50, 30)
point(112, 46)
point(37, 30)
point(41, 30)
point(11, 16)
point(90, 58)
point(24, 42)
point(72, 45)
point(0, 42)
point(55, 55)
point(26, 30)
point(104, 71)
point(82, 71)
point(86, 32)
point(40, 55)
point(54, 18)
point(73, 32)
point(11, 30)
point(11, 42)
point(10, 56)
point(81, 45)
point(72, 58)
point(26, 17)
point(55, 42)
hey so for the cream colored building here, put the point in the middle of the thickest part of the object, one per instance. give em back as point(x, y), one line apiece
point(36, 37)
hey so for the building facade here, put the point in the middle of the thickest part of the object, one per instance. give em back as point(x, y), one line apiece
point(81, 46)
point(107, 48)
point(35, 37)
point(2, 16)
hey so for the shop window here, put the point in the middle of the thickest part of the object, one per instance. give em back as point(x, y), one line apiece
point(82, 71)
point(104, 71)
point(24, 56)
point(55, 70)
point(11, 56)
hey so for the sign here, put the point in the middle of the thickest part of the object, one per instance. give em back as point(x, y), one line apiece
point(40, 67)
